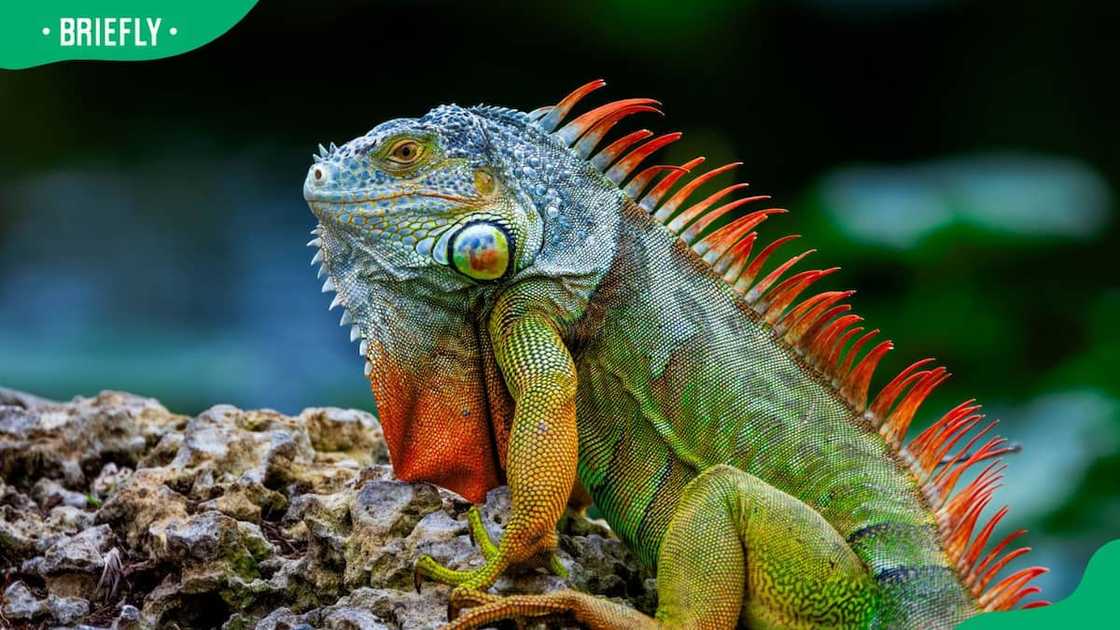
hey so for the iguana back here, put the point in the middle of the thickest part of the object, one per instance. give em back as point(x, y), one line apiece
point(680, 374)
point(689, 356)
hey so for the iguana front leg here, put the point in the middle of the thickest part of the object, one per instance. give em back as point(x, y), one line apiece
point(543, 442)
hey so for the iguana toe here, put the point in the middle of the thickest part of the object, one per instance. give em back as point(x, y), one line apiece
point(479, 535)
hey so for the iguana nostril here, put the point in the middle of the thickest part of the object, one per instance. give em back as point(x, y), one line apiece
point(319, 174)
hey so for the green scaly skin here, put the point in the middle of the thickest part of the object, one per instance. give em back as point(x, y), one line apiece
point(602, 346)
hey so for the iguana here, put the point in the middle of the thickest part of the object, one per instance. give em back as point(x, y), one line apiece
point(533, 307)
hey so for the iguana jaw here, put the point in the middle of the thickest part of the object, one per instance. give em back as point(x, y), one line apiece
point(376, 212)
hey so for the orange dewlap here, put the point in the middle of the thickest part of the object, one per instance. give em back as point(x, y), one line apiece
point(437, 430)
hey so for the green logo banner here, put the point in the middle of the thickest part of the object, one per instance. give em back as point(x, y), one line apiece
point(1092, 605)
point(45, 31)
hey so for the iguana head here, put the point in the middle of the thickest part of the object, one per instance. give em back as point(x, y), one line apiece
point(423, 197)
point(421, 223)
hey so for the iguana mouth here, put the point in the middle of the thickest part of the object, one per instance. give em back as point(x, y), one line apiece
point(359, 198)
point(357, 211)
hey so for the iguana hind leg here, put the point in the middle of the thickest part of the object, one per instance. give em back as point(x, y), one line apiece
point(736, 549)
point(739, 548)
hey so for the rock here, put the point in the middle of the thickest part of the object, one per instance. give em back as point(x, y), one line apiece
point(382, 514)
point(67, 610)
point(19, 603)
point(348, 432)
point(69, 519)
point(346, 618)
point(72, 565)
point(400, 609)
point(24, 531)
point(40, 439)
point(128, 619)
point(20, 532)
point(241, 519)
point(108, 480)
point(285, 619)
point(81, 552)
point(48, 493)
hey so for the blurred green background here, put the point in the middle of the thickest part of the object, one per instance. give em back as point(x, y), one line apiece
point(959, 159)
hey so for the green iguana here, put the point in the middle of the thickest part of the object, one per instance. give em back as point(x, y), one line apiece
point(533, 308)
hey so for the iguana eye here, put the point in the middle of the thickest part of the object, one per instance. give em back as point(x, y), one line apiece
point(481, 251)
point(483, 181)
point(405, 152)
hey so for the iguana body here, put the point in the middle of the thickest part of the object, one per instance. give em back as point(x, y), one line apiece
point(533, 307)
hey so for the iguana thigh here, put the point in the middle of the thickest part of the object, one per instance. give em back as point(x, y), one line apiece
point(738, 549)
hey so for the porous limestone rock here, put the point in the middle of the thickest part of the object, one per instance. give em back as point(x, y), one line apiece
point(116, 513)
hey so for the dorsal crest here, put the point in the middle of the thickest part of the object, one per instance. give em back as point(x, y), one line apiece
point(720, 228)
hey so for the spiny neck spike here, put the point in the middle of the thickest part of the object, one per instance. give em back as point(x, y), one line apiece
point(556, 115)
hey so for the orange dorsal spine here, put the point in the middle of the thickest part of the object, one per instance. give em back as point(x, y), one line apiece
point(821, 330)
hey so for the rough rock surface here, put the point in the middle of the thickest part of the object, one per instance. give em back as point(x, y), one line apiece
point(116, 513)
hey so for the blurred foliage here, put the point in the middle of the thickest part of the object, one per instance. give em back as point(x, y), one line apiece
point(959, 159)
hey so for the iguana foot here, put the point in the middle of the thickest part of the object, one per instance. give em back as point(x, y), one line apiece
point(483, 576)
point(466, 598)
point(480, 609)
point(479, 578)
point(481, 537)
